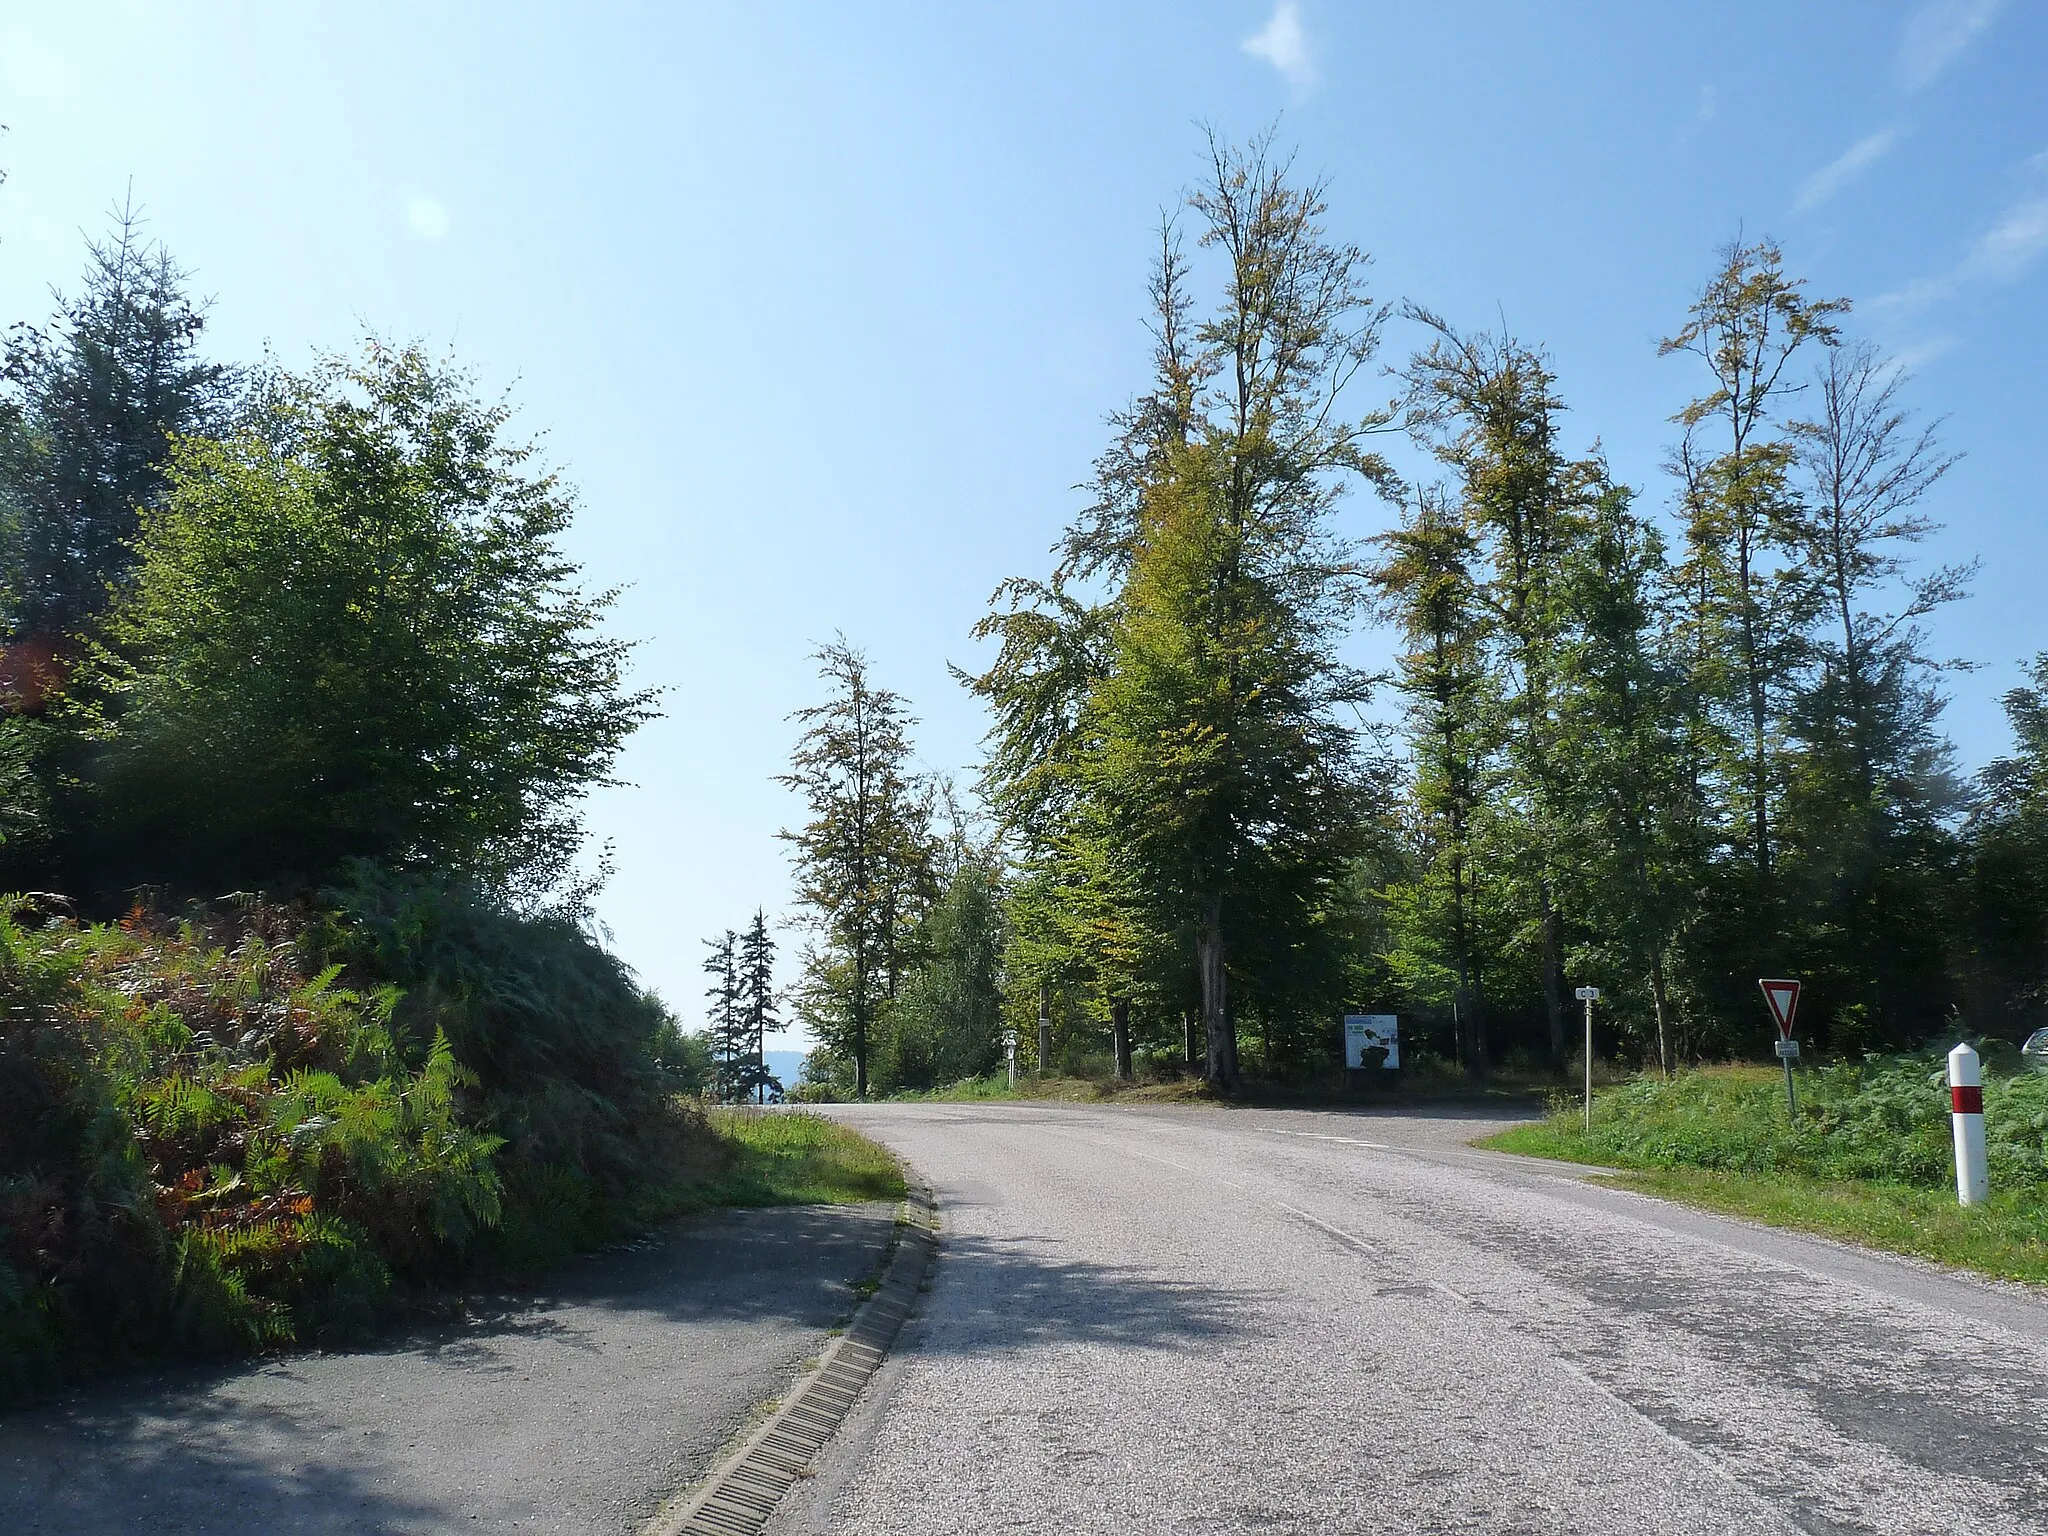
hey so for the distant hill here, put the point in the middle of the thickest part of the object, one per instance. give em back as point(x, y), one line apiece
point(787, 1066)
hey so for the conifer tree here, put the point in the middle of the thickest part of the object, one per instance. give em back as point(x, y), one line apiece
point(725, 1017)
point(756, 965)
point(98, 396)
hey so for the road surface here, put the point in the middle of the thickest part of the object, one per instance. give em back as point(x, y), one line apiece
point(572, 1411)
point(1209, 1320)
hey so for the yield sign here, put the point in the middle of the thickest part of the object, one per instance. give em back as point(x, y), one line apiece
point(1783, 996)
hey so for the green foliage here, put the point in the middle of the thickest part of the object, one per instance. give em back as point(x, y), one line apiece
point(2005, 905)
point(95, 397)
point(945, 1022)
point(243, 1130)
point(1170, 748)
point(1885, 1118)
point(568, 1061)
point(866, 861)
point(352, 634)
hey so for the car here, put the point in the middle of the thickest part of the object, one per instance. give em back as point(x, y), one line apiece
point(2035, 1052)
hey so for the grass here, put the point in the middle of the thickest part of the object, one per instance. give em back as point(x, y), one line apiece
point(1867, 1162)
point(791, 1158)
point(1429, 1081)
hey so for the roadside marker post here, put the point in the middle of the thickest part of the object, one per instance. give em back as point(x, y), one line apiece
point(1966, 1114)
point(1010, 1045)
point(1782, 995)
point(1589, 996)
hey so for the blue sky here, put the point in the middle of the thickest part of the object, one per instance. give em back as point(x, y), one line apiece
point(822, 306)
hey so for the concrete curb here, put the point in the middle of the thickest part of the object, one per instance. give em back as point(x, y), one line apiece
point(742, 1492)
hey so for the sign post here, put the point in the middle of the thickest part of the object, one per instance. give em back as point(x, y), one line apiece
point(1589, 996)
point(1010, 1045)
point(1783, 997)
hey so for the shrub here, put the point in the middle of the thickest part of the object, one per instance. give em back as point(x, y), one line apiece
point(245, 1129)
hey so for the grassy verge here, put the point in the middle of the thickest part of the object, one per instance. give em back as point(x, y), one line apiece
point(1430, 1084)
point(1658, 1137)
point(790, 1158)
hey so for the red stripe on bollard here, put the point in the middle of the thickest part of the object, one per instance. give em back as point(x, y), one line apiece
point(1967, 1101)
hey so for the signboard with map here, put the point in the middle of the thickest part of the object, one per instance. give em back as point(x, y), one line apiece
point(1372, 1040)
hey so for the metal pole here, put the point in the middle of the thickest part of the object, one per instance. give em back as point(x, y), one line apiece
point(1791, 1095)
point(1044, 1028)
point(1589, 1066)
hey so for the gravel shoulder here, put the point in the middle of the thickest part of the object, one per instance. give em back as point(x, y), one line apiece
point(1298, 1321)
point(575, 1409)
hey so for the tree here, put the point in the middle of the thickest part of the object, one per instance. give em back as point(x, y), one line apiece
point(1194, 707)
point(99, 396)
point(1621, 742)
point(2008, 877)
point(352, 634)
point(864, 861)
point(1488, 407)
point(1869, 805)
point(1746, 326)
point(725, 1017)
point(756, 961)
point(1425, 584)
point(945, 1024)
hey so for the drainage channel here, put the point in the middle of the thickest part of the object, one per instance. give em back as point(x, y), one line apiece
point(740, 1496)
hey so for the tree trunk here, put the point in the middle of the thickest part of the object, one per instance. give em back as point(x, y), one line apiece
point(1220, 1067)
point(1120, 1036)
point(1553, 986)
point(860, 1022)
point(1657, 1000)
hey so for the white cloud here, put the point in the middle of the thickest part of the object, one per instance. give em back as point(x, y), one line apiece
point(429, 219)
point(1845, 168)
point(1283, 44)
point(1936, 36)
point(2010, 246)
point(1911, 359)
point(2002, 254)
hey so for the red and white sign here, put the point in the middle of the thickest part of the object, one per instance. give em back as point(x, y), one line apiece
point(1783, 996)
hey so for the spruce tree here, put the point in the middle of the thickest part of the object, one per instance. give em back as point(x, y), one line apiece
point(725, 1017)
point(98, 396)
point(756, 963)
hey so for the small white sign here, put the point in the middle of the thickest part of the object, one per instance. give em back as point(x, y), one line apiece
point(1587, 994)
point(1365, 1032)
point(1788, 1049)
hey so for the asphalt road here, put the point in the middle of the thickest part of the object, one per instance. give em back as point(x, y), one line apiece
point(573, 1410)
point(1240, 1320)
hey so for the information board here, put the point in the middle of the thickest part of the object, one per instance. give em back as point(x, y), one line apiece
point(1367, 1034)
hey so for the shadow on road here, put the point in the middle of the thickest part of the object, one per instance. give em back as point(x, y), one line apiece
point(546, 1410)
point(1001, 1295)
point(171, 1460)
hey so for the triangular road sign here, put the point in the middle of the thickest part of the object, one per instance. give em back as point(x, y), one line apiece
point(1783, 996)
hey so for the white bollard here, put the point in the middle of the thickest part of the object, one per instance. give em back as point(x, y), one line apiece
point(1966, 1102)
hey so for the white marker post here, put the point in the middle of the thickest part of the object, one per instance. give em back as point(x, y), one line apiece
point(1010, 1045)
point(1966, 1104)
point(1589, 996)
